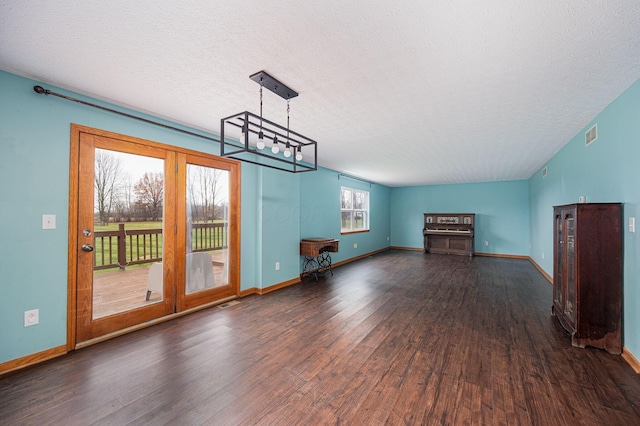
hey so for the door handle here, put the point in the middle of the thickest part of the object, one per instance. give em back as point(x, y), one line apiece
point(87, 247)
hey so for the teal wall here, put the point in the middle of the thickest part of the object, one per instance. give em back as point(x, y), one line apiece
point(250, 235)
point(608, 170)
point(34, 180)
point(501, 208)
point(320, 213)
point(280, 223)
point(278, 208)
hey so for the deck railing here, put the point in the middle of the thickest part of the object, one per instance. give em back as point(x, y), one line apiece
point(121, 248)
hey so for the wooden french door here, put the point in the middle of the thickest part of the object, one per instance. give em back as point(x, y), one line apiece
point(154, 230)
point(204, 209)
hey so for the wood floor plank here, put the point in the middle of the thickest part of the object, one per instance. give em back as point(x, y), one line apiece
point(399, 338)
point(412, 402)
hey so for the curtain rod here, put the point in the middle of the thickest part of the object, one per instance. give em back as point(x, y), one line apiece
point(42, 91)
point(355, 178)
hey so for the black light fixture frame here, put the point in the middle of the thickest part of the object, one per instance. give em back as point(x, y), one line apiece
point(242, 148)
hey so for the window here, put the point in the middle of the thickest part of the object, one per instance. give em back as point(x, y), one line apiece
point(354, 206)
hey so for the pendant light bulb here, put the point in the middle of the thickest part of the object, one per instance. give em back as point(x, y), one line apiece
point(260, 144)
point(299, 153)
point(243, 135)
point(287, 150)
point(275, 148)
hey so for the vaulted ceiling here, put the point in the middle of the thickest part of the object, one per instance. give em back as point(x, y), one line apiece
point(400, 93)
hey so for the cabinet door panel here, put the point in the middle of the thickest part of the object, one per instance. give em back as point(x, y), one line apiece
point(558, 299)
point(570, 256)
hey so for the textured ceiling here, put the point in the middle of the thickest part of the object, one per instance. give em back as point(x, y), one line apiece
point(399, 93)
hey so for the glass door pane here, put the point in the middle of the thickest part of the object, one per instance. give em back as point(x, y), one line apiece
point(571, 267)
point(207, 220)
point(558, 288)
point(128, 230)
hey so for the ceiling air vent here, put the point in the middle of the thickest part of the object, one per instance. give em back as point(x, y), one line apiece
point(544, 172)
point(591, 135)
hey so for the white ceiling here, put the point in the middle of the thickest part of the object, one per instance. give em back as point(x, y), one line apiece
point(397, 92)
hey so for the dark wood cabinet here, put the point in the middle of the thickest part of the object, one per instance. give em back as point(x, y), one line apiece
point(587, 273)
point(449, 233)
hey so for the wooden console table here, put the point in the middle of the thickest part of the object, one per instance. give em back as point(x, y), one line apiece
point(317, 258)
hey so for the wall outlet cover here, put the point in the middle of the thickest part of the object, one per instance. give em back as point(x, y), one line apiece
point(48, 221)
point(31, 317)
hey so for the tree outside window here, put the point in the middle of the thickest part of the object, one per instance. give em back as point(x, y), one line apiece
point(354, 205)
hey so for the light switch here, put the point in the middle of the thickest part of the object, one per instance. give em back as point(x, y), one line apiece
point(632, 224)
point(48, 221)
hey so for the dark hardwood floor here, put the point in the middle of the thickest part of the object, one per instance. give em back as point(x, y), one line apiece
point(397, 338)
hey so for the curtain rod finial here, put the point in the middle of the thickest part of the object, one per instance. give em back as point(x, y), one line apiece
point(41, 90)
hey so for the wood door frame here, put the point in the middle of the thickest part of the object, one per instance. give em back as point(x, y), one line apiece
point(74, 197)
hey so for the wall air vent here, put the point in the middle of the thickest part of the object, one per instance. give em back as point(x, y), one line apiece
point(544, 172)
point(591, 135)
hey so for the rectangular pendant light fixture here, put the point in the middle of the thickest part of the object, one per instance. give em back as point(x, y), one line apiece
point(253, 139)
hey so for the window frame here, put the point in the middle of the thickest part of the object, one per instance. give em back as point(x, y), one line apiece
point(366, 210)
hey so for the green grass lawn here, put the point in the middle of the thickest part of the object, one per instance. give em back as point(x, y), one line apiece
point(129, 225)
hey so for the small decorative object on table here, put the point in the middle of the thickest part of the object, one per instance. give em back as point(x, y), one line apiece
point(317, 258)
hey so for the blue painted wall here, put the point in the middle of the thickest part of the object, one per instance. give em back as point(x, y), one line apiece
point(608, 170)
point(34, 180)
point(280, 202)
point(279, 208)
point(320, 213)
point(251, 225)
point(501, 208)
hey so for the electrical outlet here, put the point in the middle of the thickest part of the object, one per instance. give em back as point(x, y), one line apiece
point(355, 245)
point(48, 221)
point(31, 317)
point(277, 266)
point(486, 243)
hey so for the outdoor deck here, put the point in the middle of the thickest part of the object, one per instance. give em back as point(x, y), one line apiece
point(119, 291)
